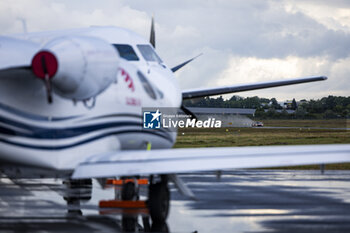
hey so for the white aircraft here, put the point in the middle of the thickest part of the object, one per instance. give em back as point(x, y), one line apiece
point(71, 107)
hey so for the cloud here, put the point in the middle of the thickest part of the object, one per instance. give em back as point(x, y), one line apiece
point(332, 14)
point(247, 41)
point(252, 69)
point(254, 28)
point(52, 15)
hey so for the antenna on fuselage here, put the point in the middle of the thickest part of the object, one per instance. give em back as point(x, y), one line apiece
point(24, 25)
point(152, 38)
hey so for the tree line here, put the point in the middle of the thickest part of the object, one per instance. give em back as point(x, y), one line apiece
point(325, 108)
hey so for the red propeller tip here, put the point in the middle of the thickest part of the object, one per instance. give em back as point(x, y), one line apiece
point(44, 62)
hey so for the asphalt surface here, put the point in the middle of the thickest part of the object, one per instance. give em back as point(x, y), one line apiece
point(240, 201)
point(307, 128)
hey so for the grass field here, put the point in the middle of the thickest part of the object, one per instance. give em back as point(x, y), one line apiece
point(263, 136)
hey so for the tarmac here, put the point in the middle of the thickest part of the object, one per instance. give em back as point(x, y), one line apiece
point(239, 201)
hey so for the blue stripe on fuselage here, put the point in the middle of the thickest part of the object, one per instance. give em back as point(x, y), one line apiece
point(166, 136)
point(31, 116)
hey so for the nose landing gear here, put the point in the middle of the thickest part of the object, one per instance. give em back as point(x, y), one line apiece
point(75, 192)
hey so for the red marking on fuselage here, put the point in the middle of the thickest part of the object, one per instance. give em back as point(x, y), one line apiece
point(133, 101)
point(128, 80)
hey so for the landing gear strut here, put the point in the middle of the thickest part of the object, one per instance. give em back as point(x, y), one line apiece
point(129, 191)
point(76, 191)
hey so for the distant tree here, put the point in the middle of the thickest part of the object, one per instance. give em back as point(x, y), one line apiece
point(251, 102)
point(338, 108)
point(264, 100)
point(260, 113)
point(275, 104)
point(329, 102)
point(300, 113)
point(329, 114)
point(345, 113)
point(326, 107)
point(271, 113)
point(294, 104)
point(284, 114)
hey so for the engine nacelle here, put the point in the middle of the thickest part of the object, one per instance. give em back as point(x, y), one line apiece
point(79, 67)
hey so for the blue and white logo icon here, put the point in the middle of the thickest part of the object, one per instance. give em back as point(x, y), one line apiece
point(151, 120)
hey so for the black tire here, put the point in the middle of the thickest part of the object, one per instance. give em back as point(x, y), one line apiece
point(128, 191)
point(158, 202)
point(160, 227)
point(129, 224)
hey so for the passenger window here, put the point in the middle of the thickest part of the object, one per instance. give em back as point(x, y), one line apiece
point(146, 85)
point(126, 52)
point(148, 53)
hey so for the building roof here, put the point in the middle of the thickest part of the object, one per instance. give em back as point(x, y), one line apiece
point(242, 111)
point(289, 111)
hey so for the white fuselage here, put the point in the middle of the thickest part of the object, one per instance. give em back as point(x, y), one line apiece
point(60, 135)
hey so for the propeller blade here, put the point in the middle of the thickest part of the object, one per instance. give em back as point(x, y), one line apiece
point(152, 38)
point(46, 79)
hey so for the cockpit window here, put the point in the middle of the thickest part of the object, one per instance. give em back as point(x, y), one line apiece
point(148, 53)
point(146, 85)
point(126, 52)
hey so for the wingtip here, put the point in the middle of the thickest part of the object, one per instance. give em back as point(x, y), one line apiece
point(198, 55)
point(176, 68)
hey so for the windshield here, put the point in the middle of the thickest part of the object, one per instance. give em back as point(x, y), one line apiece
point(126, 52)
point(148, 53)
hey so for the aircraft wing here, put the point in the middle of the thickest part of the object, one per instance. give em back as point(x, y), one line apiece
point(195, 93)
point(16, 56)
point(172, 161)
point(16, 52)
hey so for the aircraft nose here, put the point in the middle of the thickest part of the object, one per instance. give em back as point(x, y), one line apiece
point(166, 82)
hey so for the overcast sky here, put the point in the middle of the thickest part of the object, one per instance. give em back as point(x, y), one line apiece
point(242, 41)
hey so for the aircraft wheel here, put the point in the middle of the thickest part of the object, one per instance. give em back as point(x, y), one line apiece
point(129, 224)
point(159, 201)
point(128, 191)
point(159, 227)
